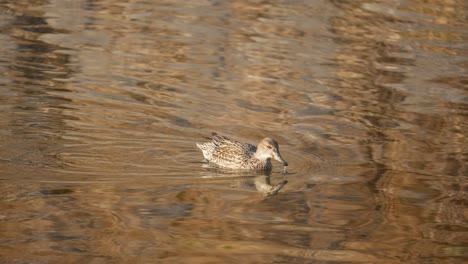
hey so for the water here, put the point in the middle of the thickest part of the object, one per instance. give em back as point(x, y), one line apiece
point(102, 103)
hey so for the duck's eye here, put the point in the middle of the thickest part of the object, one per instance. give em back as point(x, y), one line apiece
point(269, 147)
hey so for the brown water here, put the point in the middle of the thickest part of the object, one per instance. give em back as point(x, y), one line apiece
point(102, 103)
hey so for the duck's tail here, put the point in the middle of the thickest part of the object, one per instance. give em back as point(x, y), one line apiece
point(199, 145)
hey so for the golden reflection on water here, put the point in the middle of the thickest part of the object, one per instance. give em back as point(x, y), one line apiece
point(103, 101)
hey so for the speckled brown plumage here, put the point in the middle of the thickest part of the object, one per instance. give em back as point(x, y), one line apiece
point(228, 153)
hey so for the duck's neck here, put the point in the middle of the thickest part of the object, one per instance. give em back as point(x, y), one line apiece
point(261, 156)
point(263, 161)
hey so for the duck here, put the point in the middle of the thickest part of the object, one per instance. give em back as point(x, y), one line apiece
point(232, 154)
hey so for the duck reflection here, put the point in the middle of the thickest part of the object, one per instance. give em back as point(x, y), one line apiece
point(265, 188)
point(261, 182)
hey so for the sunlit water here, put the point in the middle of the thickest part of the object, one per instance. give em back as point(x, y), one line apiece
point(102, 103)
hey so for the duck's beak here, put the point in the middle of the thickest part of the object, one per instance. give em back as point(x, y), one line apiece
point(278, 157)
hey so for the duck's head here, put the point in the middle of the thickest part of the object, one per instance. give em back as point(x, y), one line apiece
point(268, 148)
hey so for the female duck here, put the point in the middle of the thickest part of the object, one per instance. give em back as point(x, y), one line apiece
point(232, 154)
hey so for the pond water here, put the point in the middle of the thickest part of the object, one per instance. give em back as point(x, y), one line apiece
point(102, 103)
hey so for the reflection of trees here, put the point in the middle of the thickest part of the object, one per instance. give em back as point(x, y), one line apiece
point(379, 75)
point(33, 87)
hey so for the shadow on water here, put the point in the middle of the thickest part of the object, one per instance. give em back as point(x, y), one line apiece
point(102, 103)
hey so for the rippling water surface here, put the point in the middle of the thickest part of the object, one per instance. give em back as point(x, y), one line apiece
point(102, 103)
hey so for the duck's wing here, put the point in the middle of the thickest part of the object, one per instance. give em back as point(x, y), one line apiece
point(222, 142)
point(229, 152)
